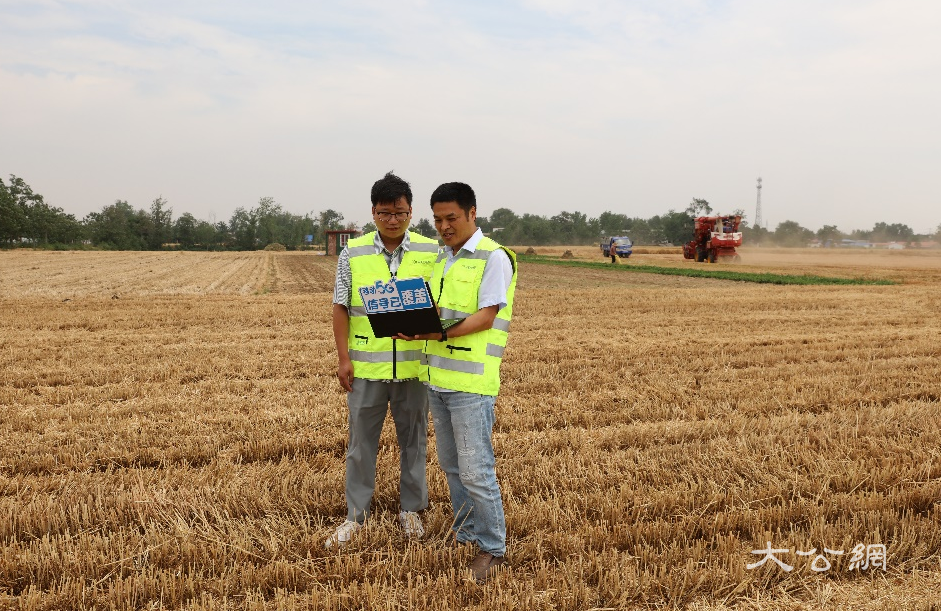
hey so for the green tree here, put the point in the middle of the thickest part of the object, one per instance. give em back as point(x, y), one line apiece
point(502, 218)
point(13, 216)
point(184, 230)
point(32, 206)
point(698, 207)
point(117, 227)
point(213, 236)
point(267, 214)
point(243, 226)
point(24, 215)
point(292, 229)
point(206, 236)
point(790, 233)
point(673, 227)
point(425, 228)
point(610, 223)
point(572, 228)
point(829, 233)
point(65, 229)
point(330, 219)
point(42, 221)
point(756, 236)
point(159, 229)
point(640, 231)
point(896, 232)
point(531, 229)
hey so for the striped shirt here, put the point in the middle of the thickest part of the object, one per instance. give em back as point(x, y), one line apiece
point(343, 287)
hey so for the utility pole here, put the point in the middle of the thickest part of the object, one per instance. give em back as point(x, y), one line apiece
point(758, 220)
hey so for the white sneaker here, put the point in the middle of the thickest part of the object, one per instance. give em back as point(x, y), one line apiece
point(411, 524)
point(343, 534)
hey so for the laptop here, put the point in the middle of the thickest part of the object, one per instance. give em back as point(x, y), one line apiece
point(401, 305)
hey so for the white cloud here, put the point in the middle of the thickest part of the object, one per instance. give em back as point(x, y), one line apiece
point(551, 105)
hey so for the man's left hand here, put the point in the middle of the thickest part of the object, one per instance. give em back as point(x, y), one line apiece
point(431, 337)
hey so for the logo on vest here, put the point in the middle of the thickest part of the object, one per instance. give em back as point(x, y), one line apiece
point(396, 295)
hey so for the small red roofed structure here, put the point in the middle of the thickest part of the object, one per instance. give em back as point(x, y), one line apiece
point(337, 239)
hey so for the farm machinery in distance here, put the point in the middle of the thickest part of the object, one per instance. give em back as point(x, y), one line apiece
point(715, 239)
point(622, 245)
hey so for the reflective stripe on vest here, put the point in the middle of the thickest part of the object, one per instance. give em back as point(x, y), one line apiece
point(449, 314)
point(495, 350)
point(443, 362)
point(429, 246)
point(359, 251)
point(470, 363)
point(502, 324)
point(387, 357)
point(383, 358)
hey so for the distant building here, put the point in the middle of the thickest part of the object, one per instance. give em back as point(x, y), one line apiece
point(337, 239)
point(848, 243)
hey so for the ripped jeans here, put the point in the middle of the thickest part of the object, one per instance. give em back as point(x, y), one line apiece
point(463, 429)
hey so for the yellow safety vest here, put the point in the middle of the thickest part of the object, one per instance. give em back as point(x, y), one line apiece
point(470, 363)
point(384, 358)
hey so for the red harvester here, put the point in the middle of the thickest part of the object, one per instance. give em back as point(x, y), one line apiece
point(715, 239)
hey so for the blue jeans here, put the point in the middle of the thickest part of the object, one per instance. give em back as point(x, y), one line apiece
point(463, 430)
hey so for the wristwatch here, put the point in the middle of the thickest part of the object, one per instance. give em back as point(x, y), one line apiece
point(444, 335)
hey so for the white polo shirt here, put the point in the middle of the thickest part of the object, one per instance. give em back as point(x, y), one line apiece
point(494, 284)
point(498, 272)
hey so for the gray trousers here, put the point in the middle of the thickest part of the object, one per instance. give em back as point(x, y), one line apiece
point(368, 404)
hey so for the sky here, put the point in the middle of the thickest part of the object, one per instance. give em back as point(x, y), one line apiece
point(542, 106)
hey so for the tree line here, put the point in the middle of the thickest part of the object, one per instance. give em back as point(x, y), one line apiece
point(672, 228)
point(27, 220)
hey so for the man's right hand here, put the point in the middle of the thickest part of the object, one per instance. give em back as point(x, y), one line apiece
point(345, 375)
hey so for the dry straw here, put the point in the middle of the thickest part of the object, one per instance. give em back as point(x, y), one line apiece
point(182, 447)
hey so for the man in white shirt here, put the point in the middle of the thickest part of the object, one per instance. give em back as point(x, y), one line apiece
point(473, 282)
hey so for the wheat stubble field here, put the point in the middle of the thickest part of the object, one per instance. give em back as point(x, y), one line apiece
point(172, 437)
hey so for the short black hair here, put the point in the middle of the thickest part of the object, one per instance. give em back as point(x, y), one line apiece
point(389, 189)
point(455, 192)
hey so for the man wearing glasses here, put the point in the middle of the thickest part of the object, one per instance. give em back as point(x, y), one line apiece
point(382, 373)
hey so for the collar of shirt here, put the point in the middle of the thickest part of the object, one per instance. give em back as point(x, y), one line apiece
point(381, 247)
point(470, 245)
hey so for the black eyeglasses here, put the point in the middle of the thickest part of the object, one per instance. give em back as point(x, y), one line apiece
point(387, 216)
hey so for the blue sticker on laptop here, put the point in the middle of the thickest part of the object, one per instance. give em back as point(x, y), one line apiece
point(396, 295)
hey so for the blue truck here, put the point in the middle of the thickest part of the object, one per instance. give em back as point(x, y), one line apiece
point(623, 247)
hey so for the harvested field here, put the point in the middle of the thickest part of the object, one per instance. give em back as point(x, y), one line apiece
point(68, 274)
point(911, 266)
point(172, 436)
